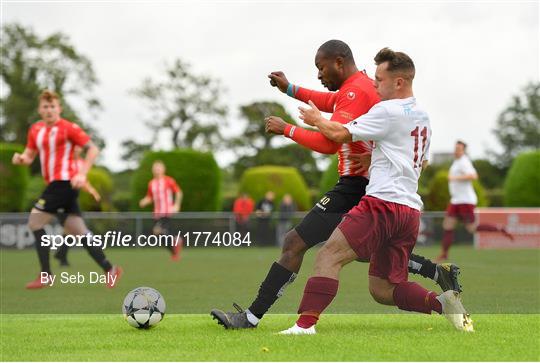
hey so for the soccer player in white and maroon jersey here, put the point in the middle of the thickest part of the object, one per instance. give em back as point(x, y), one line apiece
point(54, 140)
point(166, 195)
point(463, 201)
point(384, 225)
point(354, 95)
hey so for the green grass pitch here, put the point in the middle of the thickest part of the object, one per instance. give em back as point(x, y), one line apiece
point(83, 322)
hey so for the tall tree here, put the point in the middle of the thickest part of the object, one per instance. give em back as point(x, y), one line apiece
point(255, 145)
point(30, 63)
point(254, 138)
point(518, 126)
point(186, 106)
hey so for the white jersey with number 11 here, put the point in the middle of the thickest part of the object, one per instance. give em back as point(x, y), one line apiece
point(402, 134)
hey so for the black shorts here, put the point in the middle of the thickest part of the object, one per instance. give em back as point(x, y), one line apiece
point(324, 217)
point(59, 198)
point(164, 224)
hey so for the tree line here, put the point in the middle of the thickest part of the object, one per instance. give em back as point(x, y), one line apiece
point(189, 109)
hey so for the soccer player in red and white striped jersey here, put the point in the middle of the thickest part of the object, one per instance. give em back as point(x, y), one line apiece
point(166, 195)
point(54, 140)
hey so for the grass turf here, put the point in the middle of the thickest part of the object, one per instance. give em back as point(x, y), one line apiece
point(83, 322)
point(367, 337)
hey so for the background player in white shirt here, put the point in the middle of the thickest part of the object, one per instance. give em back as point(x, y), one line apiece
point(384, 225)
point(463, 200)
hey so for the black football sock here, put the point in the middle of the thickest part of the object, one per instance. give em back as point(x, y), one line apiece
point(42, 251)
point(271, 289)
point(422, 266)
point(96, 252)
point(61, 253)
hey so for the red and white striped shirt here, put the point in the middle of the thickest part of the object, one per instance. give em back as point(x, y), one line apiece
point(354, 98)
point(161, 191)
point(55, 144)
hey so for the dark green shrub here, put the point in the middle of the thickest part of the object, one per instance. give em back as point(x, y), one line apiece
point(121, 200)
point(522, 184)
point(13, 180)
point(281, 180)
point(36, 186)
point(197, 174)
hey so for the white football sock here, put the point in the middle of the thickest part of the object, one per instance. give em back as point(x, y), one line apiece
point(252, 318)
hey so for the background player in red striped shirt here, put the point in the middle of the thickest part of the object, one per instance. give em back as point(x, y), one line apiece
point(54, 140)
point(62, 251)
point(166, 195)
point(352, 95)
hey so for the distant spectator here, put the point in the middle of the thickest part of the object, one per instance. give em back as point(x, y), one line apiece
point(242, 208)
point(264, 210)
point(286, 212)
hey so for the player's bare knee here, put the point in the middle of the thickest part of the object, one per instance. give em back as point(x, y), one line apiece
point(34, 225)
point(471, 227)
point(293, 246)
point(449, 223)
point(35, 222)
point(327, 259)
point(383, 293)
point(375, 293)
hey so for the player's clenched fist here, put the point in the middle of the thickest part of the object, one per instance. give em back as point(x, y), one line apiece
point(278, 79)
point(18, 159)
point(78, 181)
point(275, 125)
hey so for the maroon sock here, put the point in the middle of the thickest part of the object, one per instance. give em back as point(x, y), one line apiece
point(318, 294)
point(411, 296)
point(486, 227)
point(448, 238)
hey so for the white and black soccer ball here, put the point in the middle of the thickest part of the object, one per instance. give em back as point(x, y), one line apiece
point(143, 307)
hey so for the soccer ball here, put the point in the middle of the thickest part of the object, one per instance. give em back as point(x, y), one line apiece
point(143, 307)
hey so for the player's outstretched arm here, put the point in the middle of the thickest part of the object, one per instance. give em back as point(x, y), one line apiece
point(89, 188)
point(92, 151)
point(26, 158)
point(324, 100)
point(334, 131)
point(311, 139)
point(472, 176)
point(178, 201)
point(145, 201)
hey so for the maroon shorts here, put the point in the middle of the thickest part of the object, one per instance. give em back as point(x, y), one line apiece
point(463, 212)
point(384, 231)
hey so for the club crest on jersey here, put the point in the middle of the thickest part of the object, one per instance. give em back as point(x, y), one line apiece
point(351, 95)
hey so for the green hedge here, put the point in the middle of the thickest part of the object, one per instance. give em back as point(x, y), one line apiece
point(102, 181)
point(330, 176)
point(281, 180)
point(197, 174)
point(522, 184)
point(438, 196)
point(13, 180)
point(36, 186)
